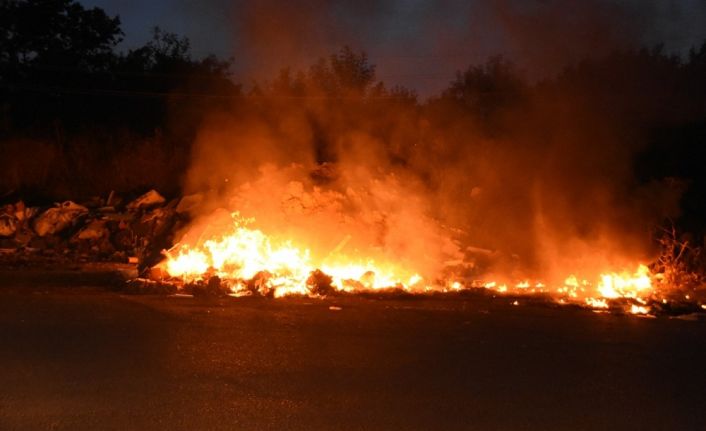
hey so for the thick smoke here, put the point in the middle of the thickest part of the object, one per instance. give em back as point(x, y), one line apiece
point(312, 170)
point(535, 181)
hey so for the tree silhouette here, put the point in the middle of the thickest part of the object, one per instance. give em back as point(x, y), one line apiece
point(486, 89)
point(56, 34)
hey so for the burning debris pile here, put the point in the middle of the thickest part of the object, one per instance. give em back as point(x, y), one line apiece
point(285, 232)
point(228, 254)
point(245, 261)
point(302, 238)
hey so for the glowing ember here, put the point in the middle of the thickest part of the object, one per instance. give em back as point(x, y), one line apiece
point(596, 303)
point(639, 309)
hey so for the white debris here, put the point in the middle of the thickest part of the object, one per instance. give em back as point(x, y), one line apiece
point(335, 308)
point(148, 200)
point(58, 218)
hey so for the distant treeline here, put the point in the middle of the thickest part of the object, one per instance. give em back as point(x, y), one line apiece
point(78, 117)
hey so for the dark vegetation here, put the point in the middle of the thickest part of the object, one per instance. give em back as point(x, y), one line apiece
point(78, 118)
point(72, 108)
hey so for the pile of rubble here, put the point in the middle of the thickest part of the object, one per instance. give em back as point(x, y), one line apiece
point(98, 230)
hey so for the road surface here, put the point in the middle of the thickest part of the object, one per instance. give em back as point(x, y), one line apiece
point(88, 358)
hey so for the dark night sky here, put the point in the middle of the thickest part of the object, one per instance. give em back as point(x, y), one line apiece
point(416, 43)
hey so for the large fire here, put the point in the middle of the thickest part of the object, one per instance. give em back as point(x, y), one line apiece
point(244, 256)
point(242, 253)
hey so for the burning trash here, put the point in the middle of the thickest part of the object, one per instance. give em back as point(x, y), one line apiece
point(231, 255)
point(243, 259)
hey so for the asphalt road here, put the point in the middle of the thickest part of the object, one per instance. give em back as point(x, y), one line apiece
point(75, 358)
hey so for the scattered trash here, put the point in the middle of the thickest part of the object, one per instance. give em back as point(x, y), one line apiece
point(113, 200)
point(147, 287)
point(99, 229)
point(156, 222)
point(320, 283)
point(55, 220)
point(210, 288)
point(8, 225)
point(259, 285)
point(93, 231)
point(23, 212)
point(149, 200)
point(156, 274)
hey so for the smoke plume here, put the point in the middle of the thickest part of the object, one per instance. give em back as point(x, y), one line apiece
point(498, 175)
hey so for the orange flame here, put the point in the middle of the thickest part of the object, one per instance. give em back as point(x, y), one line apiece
point(242, 252)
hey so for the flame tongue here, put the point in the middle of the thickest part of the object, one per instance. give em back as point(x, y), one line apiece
point(247, 257)
point(625, 285)
point(241, 253)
